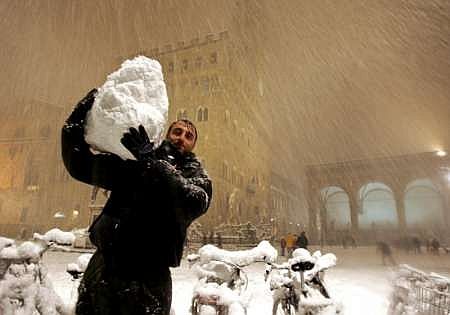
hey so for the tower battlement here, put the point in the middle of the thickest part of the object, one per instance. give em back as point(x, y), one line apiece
point(180, 45)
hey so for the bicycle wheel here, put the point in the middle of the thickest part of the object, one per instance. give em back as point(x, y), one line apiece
point(283, 308)
point(202, 309)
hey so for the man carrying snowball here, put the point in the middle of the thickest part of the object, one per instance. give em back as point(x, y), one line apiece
point(142, 228)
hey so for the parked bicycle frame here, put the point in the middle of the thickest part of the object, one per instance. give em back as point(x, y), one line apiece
point(298, 286)
point(222, 280)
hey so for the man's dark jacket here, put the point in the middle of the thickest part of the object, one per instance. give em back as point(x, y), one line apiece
point(143, 224)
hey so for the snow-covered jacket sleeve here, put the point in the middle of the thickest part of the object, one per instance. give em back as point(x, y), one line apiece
point(192, 191)
point(107, 171)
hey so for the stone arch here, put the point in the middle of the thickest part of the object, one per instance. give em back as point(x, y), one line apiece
point(376, 206)
point(335, 201)
point(424, 205)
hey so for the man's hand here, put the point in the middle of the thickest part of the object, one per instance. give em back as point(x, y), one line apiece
point(73, 130)
point(78, 115)
point(138, 143)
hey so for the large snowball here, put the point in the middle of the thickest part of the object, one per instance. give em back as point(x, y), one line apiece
point(133, 95)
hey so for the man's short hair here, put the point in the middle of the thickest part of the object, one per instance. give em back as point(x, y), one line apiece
point(188, 123)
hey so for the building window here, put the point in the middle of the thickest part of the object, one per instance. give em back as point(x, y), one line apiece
point(185, 65)
point(171, 66)
point(199, 114)
point(182, 114)
point(227, 115)
point(31, 174)
point(45, 131)
point(215, 83)
point(213, 57)
point(198, 62)
point(205, 86)
point(202, 114)
point(225, 170)
point(235, 125)
point(23, 215)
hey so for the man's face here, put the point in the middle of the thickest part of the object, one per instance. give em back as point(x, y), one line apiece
point(182, 136)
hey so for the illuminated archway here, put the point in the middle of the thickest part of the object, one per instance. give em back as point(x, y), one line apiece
point(336, 203)
point(424, 208)
point(377, 206)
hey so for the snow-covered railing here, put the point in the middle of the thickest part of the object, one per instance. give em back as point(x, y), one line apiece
point(416, 291)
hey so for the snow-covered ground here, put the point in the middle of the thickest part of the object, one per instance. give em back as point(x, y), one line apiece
point(359, 280)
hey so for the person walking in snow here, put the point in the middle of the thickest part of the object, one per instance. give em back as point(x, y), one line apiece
point(290, 243)
point(141, 230)
point(386, 253)
point(302, 241)
point(283, 246)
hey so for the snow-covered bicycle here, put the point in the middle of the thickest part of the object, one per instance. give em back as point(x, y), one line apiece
point(298, 285)
point(24, 286)
point(221, 278)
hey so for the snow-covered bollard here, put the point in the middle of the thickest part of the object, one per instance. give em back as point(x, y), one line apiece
point(133, 95)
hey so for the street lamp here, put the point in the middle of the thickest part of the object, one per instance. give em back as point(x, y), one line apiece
point(272, 222)
point(441, 153)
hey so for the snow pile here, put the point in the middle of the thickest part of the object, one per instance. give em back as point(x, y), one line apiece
point(5, 242)
point(81, 264)
point(213, 293)
point(263, 252)
point(215, 270)
point(26, 250)
point(57, 236)
point(131, 96)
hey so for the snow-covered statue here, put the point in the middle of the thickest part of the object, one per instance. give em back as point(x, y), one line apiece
point(131, 96)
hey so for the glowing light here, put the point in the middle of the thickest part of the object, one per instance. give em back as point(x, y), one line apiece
point(441, 153)
point(59, 215)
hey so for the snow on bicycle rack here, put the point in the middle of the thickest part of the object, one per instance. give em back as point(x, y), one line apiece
point(263, 252)
point(221, 280)
point(419, 292)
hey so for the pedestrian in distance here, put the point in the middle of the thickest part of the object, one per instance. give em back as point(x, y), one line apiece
point(219, 240)
point(386, 253)
point(302, 240)
point(153, 200)
point(435, 245)
point(283, 246)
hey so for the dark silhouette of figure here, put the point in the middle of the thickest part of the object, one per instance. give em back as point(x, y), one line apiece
point(211, 238)
point(416, 245)
point(386, 253)
point(283, 246)
point(219, 240)
point(302, 241)
point(435, 246)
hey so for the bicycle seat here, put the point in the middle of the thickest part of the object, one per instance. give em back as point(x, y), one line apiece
point(302, 266)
